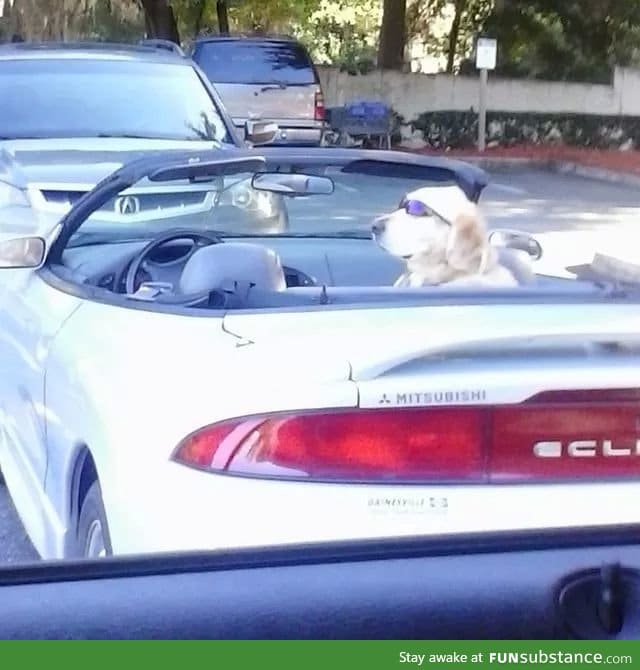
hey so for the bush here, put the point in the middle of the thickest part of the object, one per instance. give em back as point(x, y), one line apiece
point(459, 130)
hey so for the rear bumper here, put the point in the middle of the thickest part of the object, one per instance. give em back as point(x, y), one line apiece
point(185, 510)
point(293, 134)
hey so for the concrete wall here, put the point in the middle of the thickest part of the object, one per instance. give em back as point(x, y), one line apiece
point(412, 94)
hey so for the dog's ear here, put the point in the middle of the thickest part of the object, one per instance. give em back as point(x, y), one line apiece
point(467, 244)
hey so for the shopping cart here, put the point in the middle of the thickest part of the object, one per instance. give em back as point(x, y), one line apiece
point(361, 123)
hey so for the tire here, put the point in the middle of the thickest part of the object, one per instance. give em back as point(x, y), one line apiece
point(92, 533)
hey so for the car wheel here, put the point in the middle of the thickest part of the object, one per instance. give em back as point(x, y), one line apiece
point(92, 536)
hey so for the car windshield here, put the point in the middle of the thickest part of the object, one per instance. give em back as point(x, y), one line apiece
point(101, 98)
point(232, 206)
point(251, 62)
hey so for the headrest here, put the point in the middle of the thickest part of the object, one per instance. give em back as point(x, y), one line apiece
point(217, 266)
point(518, 262)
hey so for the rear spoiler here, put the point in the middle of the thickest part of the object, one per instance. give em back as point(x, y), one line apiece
point(470, 178)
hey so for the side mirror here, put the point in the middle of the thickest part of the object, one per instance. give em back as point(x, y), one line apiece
point(516, 239)
point(260, 132)
point(22, 252)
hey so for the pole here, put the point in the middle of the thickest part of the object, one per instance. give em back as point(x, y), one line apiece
point(482, 109)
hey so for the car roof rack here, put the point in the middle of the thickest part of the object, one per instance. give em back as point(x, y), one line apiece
point(93, 45)
point(167, 45)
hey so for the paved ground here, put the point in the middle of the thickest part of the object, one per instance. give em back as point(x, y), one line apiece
point(534, 200)
point(530, 199)
point(14, 544)
point(537, 200)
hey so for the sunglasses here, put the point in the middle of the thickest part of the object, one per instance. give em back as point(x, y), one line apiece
point(418, 208)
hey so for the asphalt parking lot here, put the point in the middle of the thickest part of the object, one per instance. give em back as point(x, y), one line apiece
point(533, 200)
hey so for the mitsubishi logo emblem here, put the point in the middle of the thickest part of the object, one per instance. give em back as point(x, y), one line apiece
point(127, 204)
point(384, 400)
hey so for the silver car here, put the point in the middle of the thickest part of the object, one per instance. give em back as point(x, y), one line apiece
point(72, 113)
point(271, 79)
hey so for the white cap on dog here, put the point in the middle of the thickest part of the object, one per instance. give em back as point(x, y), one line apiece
point(447, 200)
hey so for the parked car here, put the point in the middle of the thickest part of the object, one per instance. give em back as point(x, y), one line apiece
point(266, 78)
point(73, 113)
point(170, 390)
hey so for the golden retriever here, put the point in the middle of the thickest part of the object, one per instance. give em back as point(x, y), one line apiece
point(442, 237)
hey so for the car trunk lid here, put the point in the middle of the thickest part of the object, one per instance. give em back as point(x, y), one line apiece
point(378, 341)
point(492, 394)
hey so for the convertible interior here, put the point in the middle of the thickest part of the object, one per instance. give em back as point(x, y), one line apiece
point(198, 270)
point(298, 264)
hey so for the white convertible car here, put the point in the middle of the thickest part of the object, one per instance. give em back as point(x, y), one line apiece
point(211, 387)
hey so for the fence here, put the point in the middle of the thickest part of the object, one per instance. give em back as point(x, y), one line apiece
point(412, 94)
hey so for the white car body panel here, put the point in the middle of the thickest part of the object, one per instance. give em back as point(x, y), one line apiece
point(131, 384)
point(568, 248)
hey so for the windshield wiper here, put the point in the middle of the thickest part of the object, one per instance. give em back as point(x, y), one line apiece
point(22, 137)
point(274, 86)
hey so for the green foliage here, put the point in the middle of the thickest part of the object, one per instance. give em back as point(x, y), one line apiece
point(113, 22)
point(423, 15)
point(579, 40)
point(270, 16)
point(459, 130)
point(343, 33)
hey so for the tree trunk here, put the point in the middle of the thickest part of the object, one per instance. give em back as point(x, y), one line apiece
point(160, 20)
point(199, 16)
point(392, 35)
point(223, 16)
point(454, 34)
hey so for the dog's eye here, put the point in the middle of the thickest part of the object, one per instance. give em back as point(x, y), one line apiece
point(415, 208)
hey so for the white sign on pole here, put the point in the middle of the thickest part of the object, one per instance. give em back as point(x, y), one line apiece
point(486, 53)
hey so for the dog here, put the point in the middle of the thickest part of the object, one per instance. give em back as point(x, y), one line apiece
point(441, 235)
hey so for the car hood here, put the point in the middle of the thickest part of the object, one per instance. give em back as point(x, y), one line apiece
point(83, 161)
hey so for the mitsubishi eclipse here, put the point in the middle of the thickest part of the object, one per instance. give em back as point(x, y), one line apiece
point(212, 386)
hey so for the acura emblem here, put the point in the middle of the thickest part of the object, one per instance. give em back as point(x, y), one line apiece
point(127, 204)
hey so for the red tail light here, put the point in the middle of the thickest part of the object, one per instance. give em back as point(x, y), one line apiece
point(319, 110)
point(549, 439)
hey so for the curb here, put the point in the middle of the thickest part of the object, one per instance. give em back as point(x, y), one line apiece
point(599, 174)
point(554, 165)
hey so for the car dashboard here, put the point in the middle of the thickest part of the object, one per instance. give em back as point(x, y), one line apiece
point(307, 262)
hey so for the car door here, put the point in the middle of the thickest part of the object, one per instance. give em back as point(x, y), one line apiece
point(32, 313)
point(541, 585)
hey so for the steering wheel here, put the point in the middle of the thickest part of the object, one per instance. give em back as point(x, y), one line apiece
point(199, 239)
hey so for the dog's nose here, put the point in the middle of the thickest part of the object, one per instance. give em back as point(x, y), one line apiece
point(378, 227)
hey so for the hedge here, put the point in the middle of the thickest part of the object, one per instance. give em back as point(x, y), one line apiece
point(459, 130)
